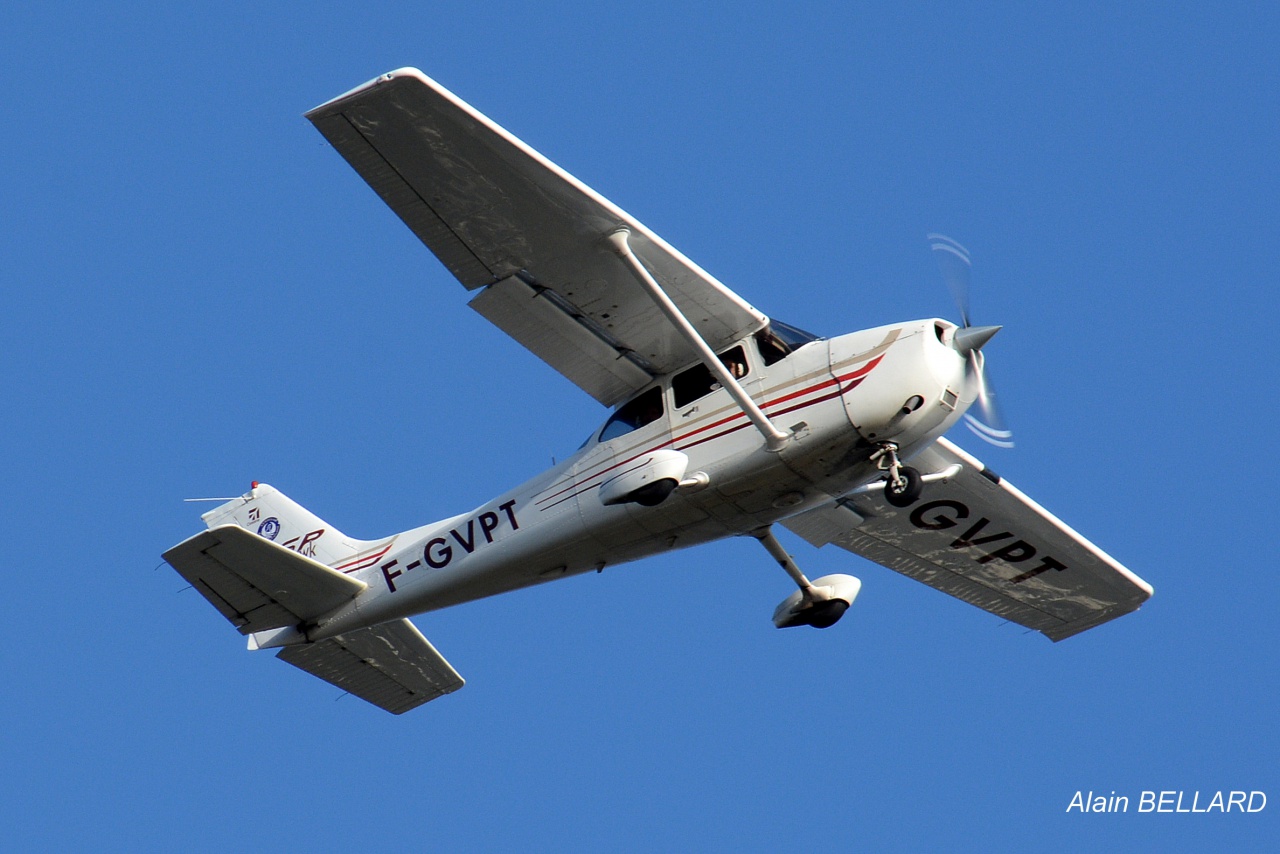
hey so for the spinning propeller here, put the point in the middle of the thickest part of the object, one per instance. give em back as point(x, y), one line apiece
point(953, 261)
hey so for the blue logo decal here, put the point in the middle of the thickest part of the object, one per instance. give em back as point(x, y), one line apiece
point(270, 528)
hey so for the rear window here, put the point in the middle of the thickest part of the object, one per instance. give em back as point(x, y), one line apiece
point(637, 412)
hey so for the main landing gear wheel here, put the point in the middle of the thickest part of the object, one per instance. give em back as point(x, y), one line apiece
point(905, 489)
point(823, 615)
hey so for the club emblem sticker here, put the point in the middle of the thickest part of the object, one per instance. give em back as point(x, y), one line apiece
point(270, 528)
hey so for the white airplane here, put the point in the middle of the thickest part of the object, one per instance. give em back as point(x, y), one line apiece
point(725, 423)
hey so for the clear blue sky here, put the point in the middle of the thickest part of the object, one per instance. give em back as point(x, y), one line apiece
point(198, 292)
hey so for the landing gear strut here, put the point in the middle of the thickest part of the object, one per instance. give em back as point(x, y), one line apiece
point(902, 484)
point(819, 603)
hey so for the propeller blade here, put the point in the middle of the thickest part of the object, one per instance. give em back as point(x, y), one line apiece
point(954, 264)
point(990, 427)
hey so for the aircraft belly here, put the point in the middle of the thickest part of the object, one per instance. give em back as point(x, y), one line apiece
point(754, 487)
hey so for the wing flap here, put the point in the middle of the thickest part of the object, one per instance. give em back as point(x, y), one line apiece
point(582, 355)
point(490, 207)
point(980, 539)
point(255, 583)
point(390, 665)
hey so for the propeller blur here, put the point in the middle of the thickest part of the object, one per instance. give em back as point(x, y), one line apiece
point(955, 264)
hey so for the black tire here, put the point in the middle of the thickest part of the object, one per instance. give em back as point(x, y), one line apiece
point(824, 615)
point(911, 487)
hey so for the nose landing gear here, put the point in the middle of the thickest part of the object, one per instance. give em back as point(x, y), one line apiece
point(902, 484)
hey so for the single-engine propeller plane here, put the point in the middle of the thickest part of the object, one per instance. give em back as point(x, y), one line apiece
point(725, 422)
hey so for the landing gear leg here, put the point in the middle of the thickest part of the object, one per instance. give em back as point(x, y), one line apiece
point(819, 604)
point(902, 484)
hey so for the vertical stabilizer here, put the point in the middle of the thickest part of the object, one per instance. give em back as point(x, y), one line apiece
point(274, 516)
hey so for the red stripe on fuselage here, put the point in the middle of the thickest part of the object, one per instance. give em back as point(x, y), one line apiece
point(854, 378)
point(359, 562)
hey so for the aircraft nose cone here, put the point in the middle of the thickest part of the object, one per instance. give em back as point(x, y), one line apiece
point(972, 338)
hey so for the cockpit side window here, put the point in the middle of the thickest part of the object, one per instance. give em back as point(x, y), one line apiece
point(636, 413)
point(779, 340)
point(688, 386)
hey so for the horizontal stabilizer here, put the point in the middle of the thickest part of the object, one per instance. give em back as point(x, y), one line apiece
point(390, 665)
point(257, 584)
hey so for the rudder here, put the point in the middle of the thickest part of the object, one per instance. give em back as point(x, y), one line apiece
point(274, 516)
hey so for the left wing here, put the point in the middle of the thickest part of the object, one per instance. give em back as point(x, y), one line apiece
point(978, 538)
point(505, 219)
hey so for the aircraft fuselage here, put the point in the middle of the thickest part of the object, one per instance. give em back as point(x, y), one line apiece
point(836, 398)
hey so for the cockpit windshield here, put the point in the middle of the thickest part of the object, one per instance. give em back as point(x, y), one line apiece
point(779, 340)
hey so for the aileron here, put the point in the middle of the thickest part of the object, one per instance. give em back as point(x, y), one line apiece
point(399, 195)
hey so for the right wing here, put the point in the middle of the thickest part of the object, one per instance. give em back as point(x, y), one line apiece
point(390, 665)
point(978, 538)
point(503, 218)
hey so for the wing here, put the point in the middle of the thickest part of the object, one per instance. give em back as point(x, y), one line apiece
point(390, 665)
point(531, 237)
point(976, 537)
point(255, 583)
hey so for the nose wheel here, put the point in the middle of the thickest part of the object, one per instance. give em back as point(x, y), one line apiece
point(902, 484)
point(905, 489)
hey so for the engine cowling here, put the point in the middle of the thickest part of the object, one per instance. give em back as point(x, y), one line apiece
point(915, 385)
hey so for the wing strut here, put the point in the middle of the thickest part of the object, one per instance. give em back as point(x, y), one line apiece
point(774, 438)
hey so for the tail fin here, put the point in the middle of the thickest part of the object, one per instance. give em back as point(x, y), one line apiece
point(269, 590)
point(272, 515)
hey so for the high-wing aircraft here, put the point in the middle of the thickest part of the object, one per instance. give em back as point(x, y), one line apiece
point(725, 422)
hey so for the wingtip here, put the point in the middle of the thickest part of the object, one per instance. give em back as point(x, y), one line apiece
point(399, 73)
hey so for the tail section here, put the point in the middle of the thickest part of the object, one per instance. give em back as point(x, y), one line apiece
point(271, 567)
point(256, 584)
point(267, 563)
point(274, 516)
point(392, 665)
